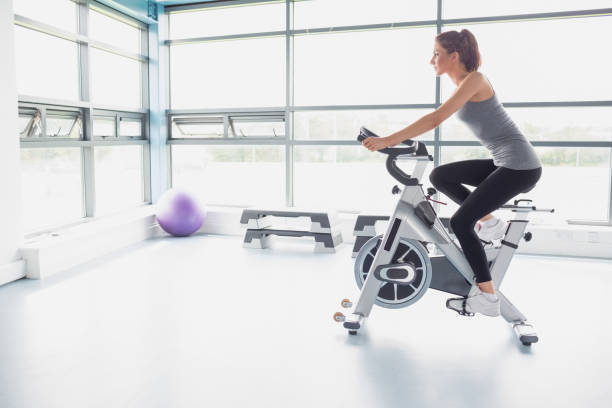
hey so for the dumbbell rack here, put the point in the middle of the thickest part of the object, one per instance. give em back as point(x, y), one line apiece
point(259, 228)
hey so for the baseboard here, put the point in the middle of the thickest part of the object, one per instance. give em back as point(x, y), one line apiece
point(12, 271)
point(61, 250)
point(571, 240)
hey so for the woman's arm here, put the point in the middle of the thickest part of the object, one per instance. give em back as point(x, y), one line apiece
point(464, 92)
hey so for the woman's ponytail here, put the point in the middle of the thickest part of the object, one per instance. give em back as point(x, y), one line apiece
point(465, 44)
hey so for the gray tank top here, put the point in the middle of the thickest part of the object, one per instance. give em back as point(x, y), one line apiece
point(499, 134)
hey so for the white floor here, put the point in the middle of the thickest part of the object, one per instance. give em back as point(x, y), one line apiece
point(203, 322)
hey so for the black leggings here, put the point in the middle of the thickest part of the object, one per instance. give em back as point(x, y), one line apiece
point(495, 186)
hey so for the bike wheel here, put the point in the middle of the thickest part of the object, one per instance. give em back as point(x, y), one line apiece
point(390, 295)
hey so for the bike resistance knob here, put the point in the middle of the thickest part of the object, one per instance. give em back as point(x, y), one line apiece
point(395, 190)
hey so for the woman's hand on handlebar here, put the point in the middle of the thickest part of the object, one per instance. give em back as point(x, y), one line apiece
point(376, 143)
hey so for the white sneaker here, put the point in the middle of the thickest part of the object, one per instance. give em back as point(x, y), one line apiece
point(489, 232)
point(476, 302)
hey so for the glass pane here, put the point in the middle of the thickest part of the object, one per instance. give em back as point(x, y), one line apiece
point(51, 186)
point(345, 125)
point(244, 73)
point(587, 169)
point(115, 80)
point(119, 179)
point(197, 127)
point(552, 124)
point(256, 128)
point(104, 127)
point(46, 66)
point(482, 8)
point(228, 20)
point(130, 127)
point(574, 123)
point(231, 175)
point(527, 67)
point(62, 124)
point(59, 13)
point(373, 67)
point(344, 178)
point(29, 123)
point(114, 32)
point(325, 13)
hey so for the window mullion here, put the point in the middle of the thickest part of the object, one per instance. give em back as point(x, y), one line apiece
point(145, 84)
point(289, 179)
point(43, 121)
point(610, 189)
point(437, 131)
point(87, 151)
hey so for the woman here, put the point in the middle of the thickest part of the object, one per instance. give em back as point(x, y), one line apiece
point(515, 167)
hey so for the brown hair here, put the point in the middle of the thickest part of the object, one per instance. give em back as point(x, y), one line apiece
point(465, 44)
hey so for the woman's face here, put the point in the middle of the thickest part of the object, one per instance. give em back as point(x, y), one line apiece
point(441, 59)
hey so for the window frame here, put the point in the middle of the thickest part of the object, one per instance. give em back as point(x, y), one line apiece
point(85, 108)
point(439, 22)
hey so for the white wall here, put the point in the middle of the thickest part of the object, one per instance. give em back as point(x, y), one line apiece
point(10, 174)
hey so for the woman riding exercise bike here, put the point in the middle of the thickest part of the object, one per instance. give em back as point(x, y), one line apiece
point(515, 167)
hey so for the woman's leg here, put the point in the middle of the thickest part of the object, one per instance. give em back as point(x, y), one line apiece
point(449, 178)
point(494, 191)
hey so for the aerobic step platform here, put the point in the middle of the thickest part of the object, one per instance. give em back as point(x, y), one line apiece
point(261, 224)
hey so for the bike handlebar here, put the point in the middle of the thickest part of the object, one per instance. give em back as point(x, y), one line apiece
point(364, 133)
point(415, 149)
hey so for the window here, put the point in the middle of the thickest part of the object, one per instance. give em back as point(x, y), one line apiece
point(518, 58)
point(29, 123)
point(104, 126)
point(110, 30)
point(130, 127)
point(587, 170)
point(365, 68)
point(121, 125)
point(481, 8)
point(237, 19)
point(197, 126)
point(82, 126)
point(119, 178)
point(115, 80)
point(42, 123)
point(323, 13)
point(58, 13)
point(239, 125)
point(344, 125)
point(238, 73)
point(344, 64)
point(64, 124)
point(51, 186)
point(348, 178)
point(231, 175)
point(257, 126)
point(60, 77)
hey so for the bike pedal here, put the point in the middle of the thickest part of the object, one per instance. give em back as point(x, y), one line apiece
point(462, 312)
point(466, 314)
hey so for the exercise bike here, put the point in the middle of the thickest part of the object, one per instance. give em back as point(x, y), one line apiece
point(417, 252)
